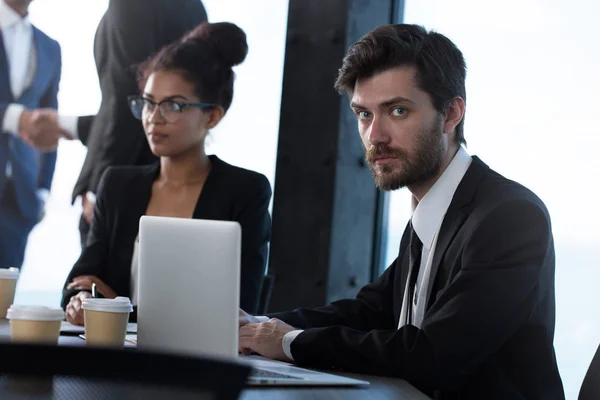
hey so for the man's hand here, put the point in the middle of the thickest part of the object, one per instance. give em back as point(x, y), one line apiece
point(84, 282)
point(74, 312)
point(87, 206)
point(265, 338)
point(40, 128)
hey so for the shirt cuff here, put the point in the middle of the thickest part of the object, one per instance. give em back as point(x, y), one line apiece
point(262, 318)
point(91, 197)
point(12, 115)
point(43, 195)
point(288, 338)
point(69, 124)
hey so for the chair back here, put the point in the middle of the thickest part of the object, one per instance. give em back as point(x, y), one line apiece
point(590, 388)
point(112, 373)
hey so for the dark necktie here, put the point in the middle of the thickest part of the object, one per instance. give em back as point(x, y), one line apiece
point(414, 260)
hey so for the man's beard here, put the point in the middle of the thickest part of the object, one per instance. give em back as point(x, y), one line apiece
point(414, 168)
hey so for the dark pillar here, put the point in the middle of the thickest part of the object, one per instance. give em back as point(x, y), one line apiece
point(327, 213)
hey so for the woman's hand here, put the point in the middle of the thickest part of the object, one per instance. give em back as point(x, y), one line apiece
point(74, 312)
point(84, 282)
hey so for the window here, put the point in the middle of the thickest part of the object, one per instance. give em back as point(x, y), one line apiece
point(532, 87)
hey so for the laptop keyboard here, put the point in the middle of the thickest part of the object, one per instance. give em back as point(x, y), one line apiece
point(263, 373)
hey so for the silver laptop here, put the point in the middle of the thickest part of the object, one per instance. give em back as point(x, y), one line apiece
point(188, 297)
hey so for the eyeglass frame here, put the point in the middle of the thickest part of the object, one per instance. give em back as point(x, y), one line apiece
point(182, 105)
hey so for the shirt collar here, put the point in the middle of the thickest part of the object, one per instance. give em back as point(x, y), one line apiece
point(432, 208)
point(9, 17)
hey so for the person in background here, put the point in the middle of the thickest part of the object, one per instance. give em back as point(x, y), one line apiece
point(129, 33)
point(186, 90)
point(30, 68)
point(467, 310)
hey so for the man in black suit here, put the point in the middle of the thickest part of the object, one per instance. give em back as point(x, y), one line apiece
point(467, 309)
point(128, 34)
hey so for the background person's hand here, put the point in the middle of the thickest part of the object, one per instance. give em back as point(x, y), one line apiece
point(265, 338)
point(87, 206)
point(74, 312)
point(84, 282)
point(40, 128)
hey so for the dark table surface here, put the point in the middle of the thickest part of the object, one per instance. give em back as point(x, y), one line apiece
point(379, 388)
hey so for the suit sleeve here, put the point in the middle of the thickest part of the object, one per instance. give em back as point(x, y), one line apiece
point(501, 267)
point(84, 124)
point(94, 254)
point(255, 221)
point(50, 100)
point(122, 138)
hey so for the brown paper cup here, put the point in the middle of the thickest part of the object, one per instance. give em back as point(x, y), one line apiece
point(8, 284)
point(106, 321)
point(34, 324)
point(34, 331)
point(105, 328)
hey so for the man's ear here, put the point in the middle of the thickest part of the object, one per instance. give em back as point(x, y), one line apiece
point(454, 114)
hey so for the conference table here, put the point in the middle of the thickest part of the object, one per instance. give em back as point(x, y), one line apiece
point(379, 388)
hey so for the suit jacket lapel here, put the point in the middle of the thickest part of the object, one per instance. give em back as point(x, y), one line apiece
point(209, 202)
point(5, 90)
point(141, 199)
point(130, 210)
point(401, 275)
point(42, 58)
point(455, 216)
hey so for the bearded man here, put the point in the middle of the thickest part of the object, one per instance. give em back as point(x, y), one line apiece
point(467, 309)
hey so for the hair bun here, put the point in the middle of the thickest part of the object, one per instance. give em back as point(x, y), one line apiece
point(226, 39)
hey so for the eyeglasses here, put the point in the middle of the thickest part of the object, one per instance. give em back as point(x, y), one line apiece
point(170, 110)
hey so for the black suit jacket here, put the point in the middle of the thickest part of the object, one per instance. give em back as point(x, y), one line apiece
point(489, 324)
point(230, 193)
point(129, 33)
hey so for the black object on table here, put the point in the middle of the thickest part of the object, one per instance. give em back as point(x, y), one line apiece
point(68, 373)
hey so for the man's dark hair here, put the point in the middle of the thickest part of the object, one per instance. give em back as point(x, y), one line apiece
point(205, 57)
point(441, 68)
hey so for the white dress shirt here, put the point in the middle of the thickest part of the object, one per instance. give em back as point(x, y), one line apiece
point(426, 220)
point(69, 124)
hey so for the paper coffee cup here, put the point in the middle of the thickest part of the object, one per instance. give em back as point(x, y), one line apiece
point(36, 324)
point(106, 321)
point(8, 284)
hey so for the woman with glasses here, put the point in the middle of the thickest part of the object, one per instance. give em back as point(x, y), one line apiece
point(186, 90)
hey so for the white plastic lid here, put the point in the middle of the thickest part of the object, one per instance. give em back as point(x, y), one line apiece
point(10, 273)
point(118, 304)
point(35, 313)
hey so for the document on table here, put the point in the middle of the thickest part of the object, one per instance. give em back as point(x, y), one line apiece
point(67, 328)
point(130, 340)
